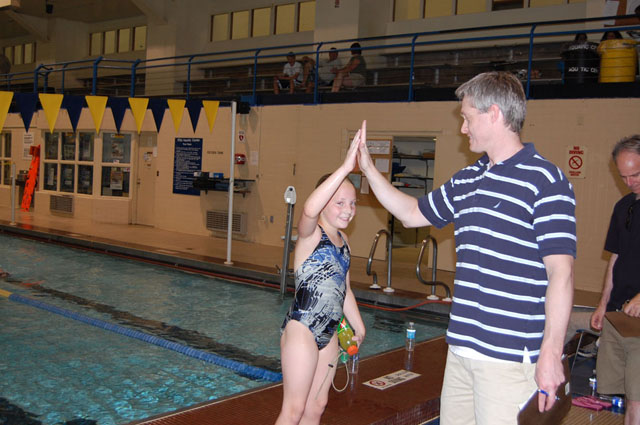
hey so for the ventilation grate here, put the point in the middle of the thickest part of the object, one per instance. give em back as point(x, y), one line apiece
point(61, 204)
point(217, 221)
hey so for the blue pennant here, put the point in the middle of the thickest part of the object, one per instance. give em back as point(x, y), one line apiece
point(194, 106)
point(73, 105)
point(157, 106)
point(27, 103)
point(118, 107)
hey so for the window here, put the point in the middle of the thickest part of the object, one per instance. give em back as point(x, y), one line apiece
point(220, 27)
point(5, 157)
point(240, 25)
point(471, 6)
point(407, 9)
point(506, 4)
point(261, 22)
point(124, 40)
point(116, 149)
point(20, 54)
point(307, 16)
point(119, 40)
point(110, 42)
point(95, 48)
point(285, 18)
point(140, 38)
point(435, 8)
point(66, 155)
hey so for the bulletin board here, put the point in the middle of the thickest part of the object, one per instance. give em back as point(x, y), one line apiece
point(380, 150)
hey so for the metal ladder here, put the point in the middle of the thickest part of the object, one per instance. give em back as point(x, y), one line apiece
point(389, 257)
point(433, 282)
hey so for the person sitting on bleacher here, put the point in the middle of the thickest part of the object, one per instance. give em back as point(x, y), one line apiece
point(353, 74)
point(291, 75)
point(327, 70)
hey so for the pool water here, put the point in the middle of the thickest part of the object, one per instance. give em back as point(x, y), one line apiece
point(56, 370)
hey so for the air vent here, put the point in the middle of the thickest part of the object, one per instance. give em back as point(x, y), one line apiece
point(217, 221)
point(61, 204)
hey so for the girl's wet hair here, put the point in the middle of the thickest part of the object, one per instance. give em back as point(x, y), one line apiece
point(326, 176)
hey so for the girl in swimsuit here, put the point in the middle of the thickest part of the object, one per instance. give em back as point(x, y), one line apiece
point(323, 293)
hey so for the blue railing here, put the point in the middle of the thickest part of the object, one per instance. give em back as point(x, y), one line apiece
point(255, 56)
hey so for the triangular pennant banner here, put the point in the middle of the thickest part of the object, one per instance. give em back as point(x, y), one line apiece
point(158, 106)
point(51, 106)
point(118, 107)
point(97, 105)
point(27, 103)
point(211, 111)
point(176, 107)
point(138, 109)
point(194, 106)
point(5, 102)
point(73, 105)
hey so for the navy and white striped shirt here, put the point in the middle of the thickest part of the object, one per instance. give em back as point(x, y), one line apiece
point(507, 218)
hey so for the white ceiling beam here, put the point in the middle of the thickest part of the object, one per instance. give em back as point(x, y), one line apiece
point(34, 25)
point(152, 10)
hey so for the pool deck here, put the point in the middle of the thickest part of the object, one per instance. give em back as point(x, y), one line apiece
point(412, 402)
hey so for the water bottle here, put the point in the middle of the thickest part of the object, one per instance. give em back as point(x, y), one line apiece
point(410, 343)
point(593, 383)
point(345, 336)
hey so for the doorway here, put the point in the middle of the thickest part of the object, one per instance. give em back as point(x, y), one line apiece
point(146, 174)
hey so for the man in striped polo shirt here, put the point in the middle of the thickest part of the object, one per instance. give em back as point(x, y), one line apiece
point(515, 233)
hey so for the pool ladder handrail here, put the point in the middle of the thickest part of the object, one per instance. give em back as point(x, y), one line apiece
point(434, 282)
point(389, 258)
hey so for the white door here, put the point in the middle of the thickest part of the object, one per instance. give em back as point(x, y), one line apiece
point(146, 179)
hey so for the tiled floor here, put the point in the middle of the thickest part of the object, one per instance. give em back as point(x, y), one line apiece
point(412, 402)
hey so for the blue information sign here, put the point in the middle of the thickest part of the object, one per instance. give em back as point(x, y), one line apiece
point(186, 160)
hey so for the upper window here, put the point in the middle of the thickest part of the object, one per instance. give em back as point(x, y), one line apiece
point(506, 4)
point(407, 9)
point(259, 22)
point(119, 40)
point(21, 53)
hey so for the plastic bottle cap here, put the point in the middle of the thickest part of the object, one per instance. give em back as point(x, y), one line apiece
point(352, 350)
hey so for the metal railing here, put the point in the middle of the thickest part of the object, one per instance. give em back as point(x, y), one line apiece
point(164, 75)
point(434, 268)
point(372, 273)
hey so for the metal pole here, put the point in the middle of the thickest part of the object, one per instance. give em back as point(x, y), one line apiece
point(290, 199)
point(232, 170)
point(13, 194)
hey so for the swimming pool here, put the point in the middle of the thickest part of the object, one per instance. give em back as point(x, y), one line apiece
point(55, 369)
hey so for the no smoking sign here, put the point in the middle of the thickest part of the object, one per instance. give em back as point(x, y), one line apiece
point(575, 165)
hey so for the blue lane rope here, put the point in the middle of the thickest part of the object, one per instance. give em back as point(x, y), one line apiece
point(238, 367)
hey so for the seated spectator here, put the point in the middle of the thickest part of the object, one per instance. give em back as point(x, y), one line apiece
point(618, 58)
point(291, 76)
point(327, 70)
point(353, 74)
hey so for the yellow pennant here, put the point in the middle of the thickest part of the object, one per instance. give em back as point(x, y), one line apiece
point(176, 106)
point(139, 109)
point(51, 106)
point(211, 111)
point(5, 102)
point(97, 106)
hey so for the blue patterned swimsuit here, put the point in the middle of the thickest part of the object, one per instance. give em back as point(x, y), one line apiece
point(320, 289)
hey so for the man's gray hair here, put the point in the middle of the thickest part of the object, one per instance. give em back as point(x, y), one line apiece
point(497, 88)
point(630, 143)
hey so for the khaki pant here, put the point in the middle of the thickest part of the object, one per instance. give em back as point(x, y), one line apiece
point(484, 392)
point(618, 365)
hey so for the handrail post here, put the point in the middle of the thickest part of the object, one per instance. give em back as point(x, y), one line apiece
point(46, 79)
point(413, 58)
point(133, 77)
point(189, 76)
point(434, 265)
point(36, 76)
point(315, 77)
point(13, 194)
point(529, 64)
point(389, 262)
point(290, 199)
point(94, 82)
point(254, 95)
point(64, 67)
